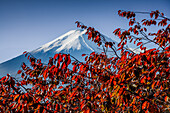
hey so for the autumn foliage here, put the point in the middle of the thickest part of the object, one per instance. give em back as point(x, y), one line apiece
point(126, 82)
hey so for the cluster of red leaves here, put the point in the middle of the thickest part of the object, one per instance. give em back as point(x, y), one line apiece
point(162, 37)
point(163, 22)
point(156, 14)
point(126, 14)
point(128, 82)
point(94, 35)
point(148, 22)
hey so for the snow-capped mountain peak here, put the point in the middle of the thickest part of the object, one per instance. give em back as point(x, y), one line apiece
point(69, 40)
point(74, 42)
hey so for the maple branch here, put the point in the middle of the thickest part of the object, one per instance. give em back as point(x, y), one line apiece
point(138, 37)
point(115, 52)
point(19, 83)
point(143, 44)
point(149, 13)
point(110, 47)
point(149, 39)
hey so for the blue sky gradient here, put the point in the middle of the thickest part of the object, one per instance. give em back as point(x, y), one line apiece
point(26, 25)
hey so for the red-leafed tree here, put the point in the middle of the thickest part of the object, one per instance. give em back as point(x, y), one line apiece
point(127, 82)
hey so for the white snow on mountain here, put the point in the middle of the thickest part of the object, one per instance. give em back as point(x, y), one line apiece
point(74, 42)
point(70, 40)
point(137, 51)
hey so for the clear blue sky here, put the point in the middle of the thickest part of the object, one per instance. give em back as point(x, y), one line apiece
point(27, 24)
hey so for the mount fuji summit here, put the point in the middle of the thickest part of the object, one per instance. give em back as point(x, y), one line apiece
point(74, 42)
